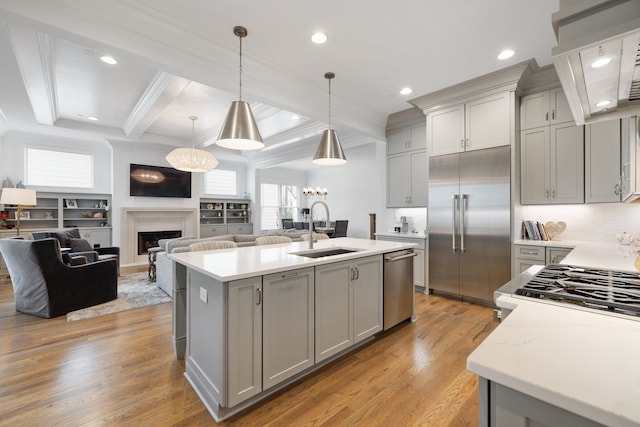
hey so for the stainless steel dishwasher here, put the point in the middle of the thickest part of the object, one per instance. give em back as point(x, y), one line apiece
point(398, 287)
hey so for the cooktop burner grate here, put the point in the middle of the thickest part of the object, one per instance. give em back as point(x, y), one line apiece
point(613, 291)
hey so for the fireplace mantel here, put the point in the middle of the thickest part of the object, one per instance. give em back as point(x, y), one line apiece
point(136, 219)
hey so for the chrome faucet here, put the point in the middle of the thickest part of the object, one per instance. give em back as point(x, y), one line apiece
point(311, 220)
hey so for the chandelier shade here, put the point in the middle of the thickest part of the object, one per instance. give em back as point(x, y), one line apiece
point(240, 131)
point(329, 152)
point(192, 159)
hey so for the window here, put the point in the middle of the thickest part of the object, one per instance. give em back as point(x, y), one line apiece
point(59, 169)
point(220, 182)
point(278, 201)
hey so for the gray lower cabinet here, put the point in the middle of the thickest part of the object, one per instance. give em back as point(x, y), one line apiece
point(530, 255)
point(348, 304)
point(244, 339)
point(502, 406)
point(288, 325)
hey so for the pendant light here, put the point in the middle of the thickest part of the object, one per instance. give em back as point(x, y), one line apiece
point(240, 131)
point(329, 151)
point(192, 159)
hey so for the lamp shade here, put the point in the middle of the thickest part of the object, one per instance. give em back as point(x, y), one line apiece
point(18, 196)
point(191, 160)
point(329, 150)
point(240, 131)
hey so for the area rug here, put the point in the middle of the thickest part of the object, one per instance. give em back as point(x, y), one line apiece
point(134, 291)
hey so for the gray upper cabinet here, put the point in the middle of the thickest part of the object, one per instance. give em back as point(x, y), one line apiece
point(552, 165)
point(544, 109)
point(479, 123)
point(602, 162)
point(407, 167)
point(411, 138)
point(551, 151)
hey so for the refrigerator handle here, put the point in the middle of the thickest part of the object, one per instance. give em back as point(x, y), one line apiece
point(463, 226)
point(455, 209)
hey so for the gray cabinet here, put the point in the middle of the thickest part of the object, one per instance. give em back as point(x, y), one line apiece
point(288, 325)
point(367, 297)
point(552, 165)
point(244, 339)
point(544, 109)
point(410, 138)
point(225, 216)
point(602, 162)
point(479, 123)
point(502, 406)
point(530, 255)
point(348, 304)
point(407, 176)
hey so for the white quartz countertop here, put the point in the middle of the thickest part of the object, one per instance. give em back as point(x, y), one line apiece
point(609, 256)
point(239, 263)
point(583, 361)
point(402, 235)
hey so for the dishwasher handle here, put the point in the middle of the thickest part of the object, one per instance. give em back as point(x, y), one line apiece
point(397, 258)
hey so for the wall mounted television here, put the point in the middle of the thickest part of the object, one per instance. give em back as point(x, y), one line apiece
point(158, 181)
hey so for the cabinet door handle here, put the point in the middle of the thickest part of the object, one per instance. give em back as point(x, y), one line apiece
point(617, 189)
point(546, 116)
point(259, 293)
point(553, 114)
point(529, 252)
point(468, 144)
point(462, 143)
point(352, 274)
point(546, 194)
point(291, 275)
point(357, 273)
point(553, 194)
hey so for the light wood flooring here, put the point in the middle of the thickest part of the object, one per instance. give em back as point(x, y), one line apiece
point(119, 369)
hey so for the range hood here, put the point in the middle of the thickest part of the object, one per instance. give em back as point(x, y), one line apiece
point(592, 30)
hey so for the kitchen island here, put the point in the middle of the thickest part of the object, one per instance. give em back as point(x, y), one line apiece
point(561, 364)
point(261, 317)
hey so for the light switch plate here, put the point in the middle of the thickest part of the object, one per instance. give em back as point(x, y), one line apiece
point(203, 294)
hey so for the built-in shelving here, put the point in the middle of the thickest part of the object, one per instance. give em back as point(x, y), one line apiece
point(217, 214)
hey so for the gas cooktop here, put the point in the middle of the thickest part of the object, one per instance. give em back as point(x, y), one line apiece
point(613, 291)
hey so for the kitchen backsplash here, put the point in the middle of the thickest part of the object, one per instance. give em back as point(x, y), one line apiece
point(589, 222)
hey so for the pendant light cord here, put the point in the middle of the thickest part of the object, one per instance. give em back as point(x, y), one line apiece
point(240, 73)
point(329, 103)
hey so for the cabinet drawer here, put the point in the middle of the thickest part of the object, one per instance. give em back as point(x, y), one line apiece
point(531, 252)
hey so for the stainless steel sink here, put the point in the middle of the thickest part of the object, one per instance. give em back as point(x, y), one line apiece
point(318, 253)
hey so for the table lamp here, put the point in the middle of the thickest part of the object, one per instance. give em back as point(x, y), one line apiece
point(19, 197)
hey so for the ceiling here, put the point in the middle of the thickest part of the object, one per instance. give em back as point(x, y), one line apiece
point(178, 59)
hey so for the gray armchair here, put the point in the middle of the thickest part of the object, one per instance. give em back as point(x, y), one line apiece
point(44, 286)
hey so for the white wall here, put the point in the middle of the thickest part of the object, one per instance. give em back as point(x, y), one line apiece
point(13, 162)
point(356, 189)
point(589, 222)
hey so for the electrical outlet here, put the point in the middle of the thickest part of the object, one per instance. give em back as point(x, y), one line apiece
point(203, 294)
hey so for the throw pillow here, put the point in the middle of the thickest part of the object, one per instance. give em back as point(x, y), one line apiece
point(80, 245)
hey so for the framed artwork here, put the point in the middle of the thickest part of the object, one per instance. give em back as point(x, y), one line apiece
point(70, 203)
point(23, 215)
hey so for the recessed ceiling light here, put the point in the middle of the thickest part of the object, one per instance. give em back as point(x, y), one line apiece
point(92, 118)
point(601, 62)
point(319, 38)
point(406, 91)
point(506, 54)
point(603, 103)
point(108, 60)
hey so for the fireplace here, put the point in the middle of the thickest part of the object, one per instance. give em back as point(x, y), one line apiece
point(149, 239)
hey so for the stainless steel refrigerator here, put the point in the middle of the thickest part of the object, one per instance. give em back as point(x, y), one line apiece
point(469, 222)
